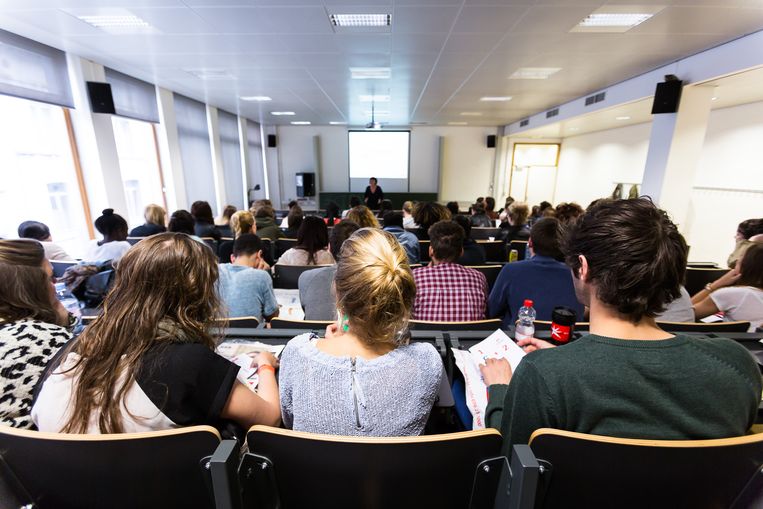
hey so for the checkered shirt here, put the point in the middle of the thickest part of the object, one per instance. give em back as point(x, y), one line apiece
point(449, 292)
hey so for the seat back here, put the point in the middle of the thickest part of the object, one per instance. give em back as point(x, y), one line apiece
point(704, 327)
point(268, 251)
point(495, 250)
point(702, 265)
point(490, 271)
point(287, 276)
point(484, 233)
point(424, 251)
point(521, 247)
point(283, 323)
point(283, 245)
point(596, 471)
point(212, 243)
point(59, 267)
point(243, 322)
point(125, 471)
point(307, 470)
point(97, 286)
point(486, 325)
point(698, 277)
point(545, 325)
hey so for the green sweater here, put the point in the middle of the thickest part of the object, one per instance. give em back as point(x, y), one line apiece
point(674, 389)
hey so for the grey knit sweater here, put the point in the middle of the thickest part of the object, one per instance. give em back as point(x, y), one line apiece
point(391, 395)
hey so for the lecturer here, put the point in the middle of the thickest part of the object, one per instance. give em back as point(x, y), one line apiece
point(374, 194)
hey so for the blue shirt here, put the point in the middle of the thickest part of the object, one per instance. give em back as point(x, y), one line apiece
point(547, 282)
point(409, 241)
point(246, 291)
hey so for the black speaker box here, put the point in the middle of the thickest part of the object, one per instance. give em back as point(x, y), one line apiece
point(667, 96)
point(271, 141)
point(101, 100)
point(491, 141)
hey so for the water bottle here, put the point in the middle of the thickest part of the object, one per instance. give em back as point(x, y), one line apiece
point(69, 301)
point(525, 328)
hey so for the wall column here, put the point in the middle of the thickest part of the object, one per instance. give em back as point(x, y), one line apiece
point(218, 171)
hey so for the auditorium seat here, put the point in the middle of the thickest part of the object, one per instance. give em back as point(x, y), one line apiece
point(702, 265)
point(490, 271)
point(593, 471)
point(495, 250)
point(484, 233)
point(283, 245)
point(123, 471)
point(484, 325)
point(424, 251)
point(307, 325)
point(287, 276)
point(700, 327)
point(59, 267)
point(521, 247)
point(545, 325)
point(289, 469)
point(698, 277)
point(242, 322)
point(212, 243)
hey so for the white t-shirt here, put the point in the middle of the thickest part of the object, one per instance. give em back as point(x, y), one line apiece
point(55, 252)
point(109, 251)
point(740, 303)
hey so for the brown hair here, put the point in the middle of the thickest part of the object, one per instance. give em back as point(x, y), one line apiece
point(751, 266)
point(375, 287)
point(568, 212)
point(636, 256)
point(265, 211)
point(546, 236)
point(202, 212)
point(427, 214)
point(447, 240)
point(363, 216)
point(24, 285)
point(154, 214)
point(164, 292)
point(518, 213)
point(228, 212)
point(241, 222)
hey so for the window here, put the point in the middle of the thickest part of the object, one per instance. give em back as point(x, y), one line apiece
point(195, 151)
point(39, 181)
point(139, 165)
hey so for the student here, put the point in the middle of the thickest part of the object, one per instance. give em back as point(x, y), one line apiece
point(204, 222)
point(542, 278)
point(155, 217)
point(393, 223)
point(241, 222)
point(332, 214)
point(385, 207)
point(408, 221)
point(244, 288)
point(354, 202)
point(748, 231)
point(181, 221)
point(363, 216)
point(316, 287)
point(40, 232)
point(515, 227)
point(294, 221)
point(427, 214)
point(373, 195)
point(113, 227)
point(567, 213)
point(32, 326)
point(490, 208)
point(474, 254)
point(285, 221)
point(265, 218)
point(738, 293)
point(149, 362)
point(445, 290)
point(228, 212)
point(452, 206)
point(479, 218)
point(312, 245)
point(363, 378)
point(628, 378)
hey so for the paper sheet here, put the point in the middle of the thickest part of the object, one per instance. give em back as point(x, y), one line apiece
point(242, 354)
point(290, 306)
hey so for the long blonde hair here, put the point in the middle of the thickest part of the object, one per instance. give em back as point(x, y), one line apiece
point(375, 286)
point(363, 216)
point(241, 222)
point(164, 292)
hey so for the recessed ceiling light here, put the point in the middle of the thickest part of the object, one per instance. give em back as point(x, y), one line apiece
point(624, 117)
point(115, 20)
point(713, 98)
point(458, 123)
point(496, 98)
point(374, 98)
point(338, 123)
point(534, 73)
point(300, 122)
point(470, 114)
point(127, 20)
point(377, 113)
point(370, 73)
point(211, 74)
point(361, 20)
point(612, 19)
point(574, 128)
point(282, 113)
point(258, 98)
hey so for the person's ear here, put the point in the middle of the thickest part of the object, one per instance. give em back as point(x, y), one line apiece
point(232, 258)
point(431, 251)
point(583, 270)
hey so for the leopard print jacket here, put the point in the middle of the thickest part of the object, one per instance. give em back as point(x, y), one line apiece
point(26, 346)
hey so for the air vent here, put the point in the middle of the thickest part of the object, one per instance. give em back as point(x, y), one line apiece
point(596, 98)
point(523, 123)
point(552, 113)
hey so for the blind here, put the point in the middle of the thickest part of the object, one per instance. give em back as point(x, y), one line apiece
point(31, 70)
point(231, 153)
point(133, 98)
point(256, 169)
point(195, 150)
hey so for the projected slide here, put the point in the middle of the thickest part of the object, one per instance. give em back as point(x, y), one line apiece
point(383, 155)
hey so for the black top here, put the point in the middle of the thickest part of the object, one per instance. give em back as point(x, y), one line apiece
point(146, 230)
point(373, 199)
point(474, 254)
point(517, 232)
point(225, 250)
point(481, 220)
point(207, 230)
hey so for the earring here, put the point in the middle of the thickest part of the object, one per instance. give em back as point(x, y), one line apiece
point(344, 324)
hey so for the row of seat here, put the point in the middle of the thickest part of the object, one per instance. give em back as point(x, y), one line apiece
point(194, 469)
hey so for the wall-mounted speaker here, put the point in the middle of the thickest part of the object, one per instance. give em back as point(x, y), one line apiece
point(667, 97)
point(271, 141)
point(101, 100)
point(491, 141)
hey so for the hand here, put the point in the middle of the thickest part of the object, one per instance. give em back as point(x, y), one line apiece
point(262, 265)
point(62, 315)
point(496, 371)
point(265, 359)
point(728, 278)
point(532, 344)
point(332, 330)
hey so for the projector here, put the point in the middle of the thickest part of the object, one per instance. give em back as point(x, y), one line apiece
point(374, 126)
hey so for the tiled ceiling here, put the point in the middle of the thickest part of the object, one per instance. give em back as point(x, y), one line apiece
point(443, 54)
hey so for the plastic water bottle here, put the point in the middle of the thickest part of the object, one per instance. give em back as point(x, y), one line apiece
point(69, 301)
point(525, 328)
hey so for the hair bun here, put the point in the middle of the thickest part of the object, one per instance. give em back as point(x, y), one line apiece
point(108, 212)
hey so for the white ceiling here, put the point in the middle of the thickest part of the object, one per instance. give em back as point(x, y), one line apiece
point(443, 54)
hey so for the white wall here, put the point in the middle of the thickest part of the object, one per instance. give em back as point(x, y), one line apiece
point(467, 162)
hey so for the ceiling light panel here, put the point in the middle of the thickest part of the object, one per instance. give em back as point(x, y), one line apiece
point(458, 123)
point(374, 98)
point(129, 20)
point(211, 74)
point(361, 20)
point(113, 20)
point(370, 73)
point(496, 98)
point(616, 18)
point(282, 113)
point(300, 122)
point(255, 98)
point(534, 73)
point(471, 114)
point(337, 123)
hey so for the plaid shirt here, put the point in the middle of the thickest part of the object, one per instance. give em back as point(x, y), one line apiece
point(449, 292)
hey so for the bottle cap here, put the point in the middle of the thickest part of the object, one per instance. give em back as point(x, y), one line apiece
point(528, 303)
